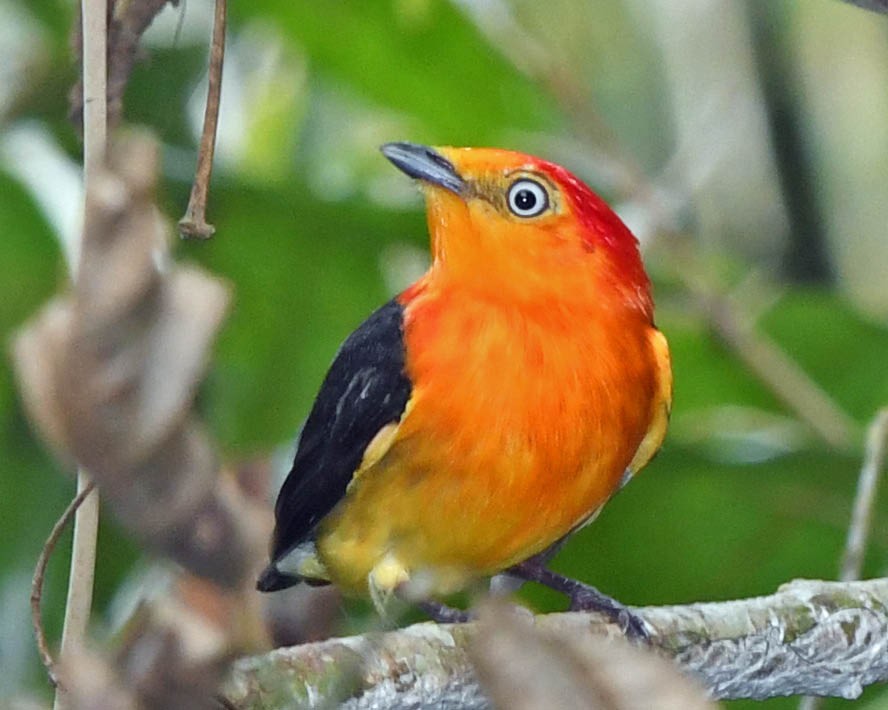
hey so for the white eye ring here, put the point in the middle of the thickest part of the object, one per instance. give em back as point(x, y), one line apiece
point(527, 198)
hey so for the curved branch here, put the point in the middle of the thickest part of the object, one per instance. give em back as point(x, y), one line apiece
point(811, 637)
point(40, 575)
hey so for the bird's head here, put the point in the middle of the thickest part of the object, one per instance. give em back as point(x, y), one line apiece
point(508, 223)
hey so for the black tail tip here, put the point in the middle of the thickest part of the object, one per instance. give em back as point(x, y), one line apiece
point(272, 580)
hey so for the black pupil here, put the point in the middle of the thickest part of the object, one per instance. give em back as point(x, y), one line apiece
point(525, 200)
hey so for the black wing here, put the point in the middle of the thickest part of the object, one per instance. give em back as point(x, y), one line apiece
point(365, 389)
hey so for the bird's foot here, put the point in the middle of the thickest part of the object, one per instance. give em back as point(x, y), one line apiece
point(444, 614)
point(584, 597)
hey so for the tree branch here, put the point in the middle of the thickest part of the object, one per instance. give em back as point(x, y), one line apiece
point(811, 637)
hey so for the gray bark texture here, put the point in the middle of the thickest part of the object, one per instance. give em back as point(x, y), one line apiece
point(811, 637)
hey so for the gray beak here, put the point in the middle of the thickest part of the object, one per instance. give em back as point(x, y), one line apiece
point(423, 163)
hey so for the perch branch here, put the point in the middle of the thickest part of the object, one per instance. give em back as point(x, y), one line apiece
point(811, 637)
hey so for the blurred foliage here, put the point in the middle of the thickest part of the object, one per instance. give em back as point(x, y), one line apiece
point(315, 230)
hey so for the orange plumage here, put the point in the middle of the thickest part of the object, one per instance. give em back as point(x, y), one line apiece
point(538, 382)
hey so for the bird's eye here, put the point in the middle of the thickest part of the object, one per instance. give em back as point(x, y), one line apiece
point(527, 198)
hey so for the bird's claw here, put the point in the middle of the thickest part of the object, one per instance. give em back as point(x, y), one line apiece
point(443, 614)
point(633, 626)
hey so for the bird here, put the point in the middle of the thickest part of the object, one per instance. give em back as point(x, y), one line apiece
point(487, 412)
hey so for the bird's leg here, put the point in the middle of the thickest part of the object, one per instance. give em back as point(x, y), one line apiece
point(583, 597)
point(509, 581)
point(444, 614)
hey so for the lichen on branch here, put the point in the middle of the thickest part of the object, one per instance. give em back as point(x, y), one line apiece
point(811, 637)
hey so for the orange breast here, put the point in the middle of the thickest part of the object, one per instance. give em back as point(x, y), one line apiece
point(521, 425)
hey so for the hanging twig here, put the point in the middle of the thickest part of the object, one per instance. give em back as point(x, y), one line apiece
point(39, 575)
point(194, 224)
